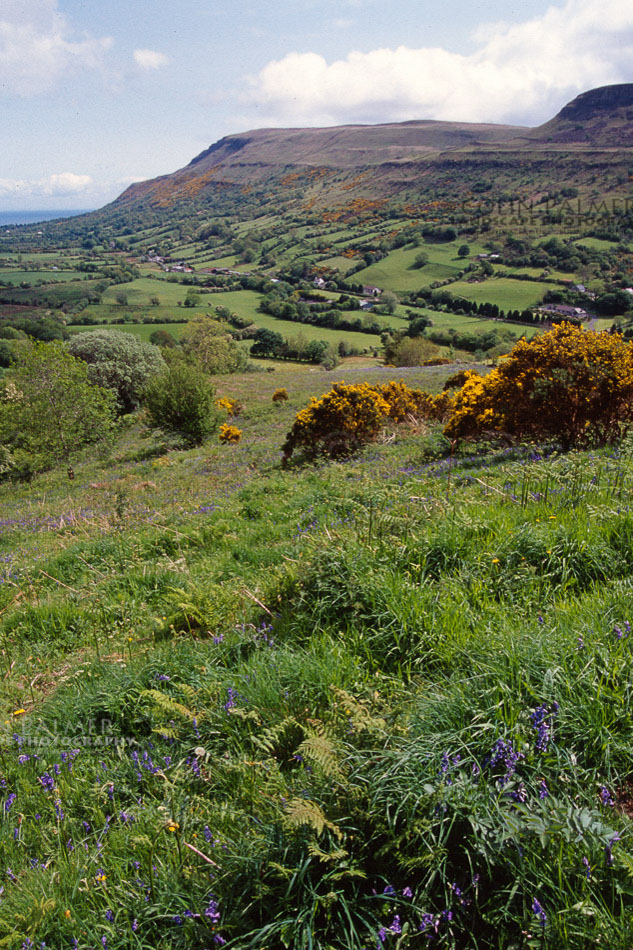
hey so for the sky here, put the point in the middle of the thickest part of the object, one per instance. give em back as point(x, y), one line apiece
point(96, 94)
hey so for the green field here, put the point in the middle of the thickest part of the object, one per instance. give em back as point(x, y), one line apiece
point(397, 271)
point(36, 276)
point(245, 303)
point(140, 291)
point(507, 293)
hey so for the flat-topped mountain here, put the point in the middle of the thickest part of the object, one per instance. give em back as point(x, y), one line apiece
point(348, 146)
point(590, 139)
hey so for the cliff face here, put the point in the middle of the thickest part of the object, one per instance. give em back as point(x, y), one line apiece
point(605, 99)
point(601, 117)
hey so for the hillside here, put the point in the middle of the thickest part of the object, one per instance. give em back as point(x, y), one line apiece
point(326, 707)
point(328, 167)
point(600, 118)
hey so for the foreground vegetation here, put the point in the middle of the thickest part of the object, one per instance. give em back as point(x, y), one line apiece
point(377, 702)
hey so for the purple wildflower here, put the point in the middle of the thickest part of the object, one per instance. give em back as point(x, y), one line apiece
point(539, 913)
point(231, 698)
point(605, 796)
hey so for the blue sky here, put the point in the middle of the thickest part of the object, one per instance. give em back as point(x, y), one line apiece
point(95, 94)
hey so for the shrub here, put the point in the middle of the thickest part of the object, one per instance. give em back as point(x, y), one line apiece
point(231, 406)
point(180, 401)
point(280, 395)
point(49, 408)
point(209, 342)
point(343, 420)
point(118, 361)
point(229, 434)
point(568, 384)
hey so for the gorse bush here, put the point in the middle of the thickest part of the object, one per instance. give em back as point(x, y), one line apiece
point(568, 384)
point(231, 406)
point(349, 416)
point(229, 434)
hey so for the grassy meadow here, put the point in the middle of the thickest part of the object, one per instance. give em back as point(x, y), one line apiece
point(383, 702)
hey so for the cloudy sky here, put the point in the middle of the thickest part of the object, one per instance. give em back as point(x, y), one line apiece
point(95, 94)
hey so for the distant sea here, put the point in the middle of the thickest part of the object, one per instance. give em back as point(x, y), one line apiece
point(33, 217)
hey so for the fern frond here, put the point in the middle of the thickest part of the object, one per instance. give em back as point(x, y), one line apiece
point(319, 749)
point(301, 811)
point(269, 740)
point(166, 705)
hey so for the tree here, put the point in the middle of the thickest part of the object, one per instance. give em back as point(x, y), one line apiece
point(208, 342)
point(49, 408)
point(421, 259)
point(463, 251)
point(388, 301)
point(181, 401)
point(119, 361)
point(121, 298)
point(267, 343)
point(163, 338)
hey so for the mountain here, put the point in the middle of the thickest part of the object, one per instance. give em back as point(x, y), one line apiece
point(360, 167)
point(601, 118)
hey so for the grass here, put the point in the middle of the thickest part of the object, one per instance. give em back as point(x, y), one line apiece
point(320, 707)
point(36, 276)
point(507, 293)
point(140, 291)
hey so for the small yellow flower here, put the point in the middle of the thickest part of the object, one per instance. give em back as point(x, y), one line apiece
point(100, 878)
point(173, 826)
point(19, 712)
point(495, 560)
point(66, 913)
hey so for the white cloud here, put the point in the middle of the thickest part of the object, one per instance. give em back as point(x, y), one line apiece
point(58, 185)
point(37, 47)
point(149, 59)
point(518, 73)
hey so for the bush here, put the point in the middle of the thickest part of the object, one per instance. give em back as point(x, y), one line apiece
point(348, 417)
point(229, 434)
point(280, 395)
point(49, 408)
point(568, 384)
point(118, 361)
point(232, 407)
point(181, 402)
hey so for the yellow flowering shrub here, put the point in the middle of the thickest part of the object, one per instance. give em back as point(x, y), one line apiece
point(574, 385)
point(231, 406)
point(280, 395)
point(229, 434)
point(350, 416)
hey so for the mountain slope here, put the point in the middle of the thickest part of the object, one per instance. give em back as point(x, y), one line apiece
point(356, 167)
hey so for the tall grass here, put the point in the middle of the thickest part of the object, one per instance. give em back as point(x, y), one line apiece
point(380, 703)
